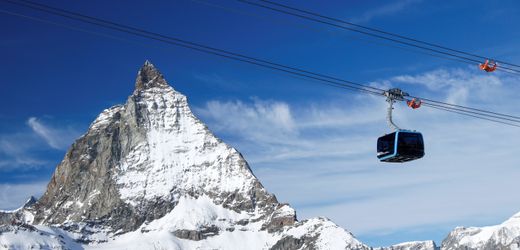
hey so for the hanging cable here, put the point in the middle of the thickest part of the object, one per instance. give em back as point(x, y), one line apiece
point(474, 116)
point(387, 33)
point(464, 110)
point(449, 105)
point(66, 26)
point(196, 46)
point(469, 60)
point(373, 41)
point(153, 35)
point(206, 49)
point(323, 79)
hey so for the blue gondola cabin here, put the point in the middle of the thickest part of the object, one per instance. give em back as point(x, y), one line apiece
point(400, 146)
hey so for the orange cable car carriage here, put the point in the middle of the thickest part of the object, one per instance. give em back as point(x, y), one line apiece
point(488, 66)
point(414, 103)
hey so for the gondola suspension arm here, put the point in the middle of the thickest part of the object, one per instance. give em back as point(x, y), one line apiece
point(393, 95)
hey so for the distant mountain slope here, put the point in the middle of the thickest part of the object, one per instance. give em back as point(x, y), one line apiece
point(503, 236)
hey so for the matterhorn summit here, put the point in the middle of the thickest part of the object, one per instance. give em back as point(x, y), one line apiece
point(148, 174)
point(138, 160)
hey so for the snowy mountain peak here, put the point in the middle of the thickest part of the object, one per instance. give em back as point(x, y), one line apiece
point(149, 77)
point(503, 236)
point(31, 201)
point(140, 160)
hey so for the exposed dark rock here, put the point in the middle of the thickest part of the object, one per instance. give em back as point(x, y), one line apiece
point(149, 77)
point(30, 202)
point(282, 216)
point(197, 234)
point(288, 243)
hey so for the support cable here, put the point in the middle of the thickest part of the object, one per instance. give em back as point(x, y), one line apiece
point(323, 79)
point(386, 32)
point(468, 59)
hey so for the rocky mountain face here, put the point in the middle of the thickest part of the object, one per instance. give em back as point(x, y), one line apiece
point(150, 175)
point(137, 160)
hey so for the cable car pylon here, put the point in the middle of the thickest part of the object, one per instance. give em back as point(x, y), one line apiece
point(401, 145)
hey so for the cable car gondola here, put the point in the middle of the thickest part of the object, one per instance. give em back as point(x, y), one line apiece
point(401, 145)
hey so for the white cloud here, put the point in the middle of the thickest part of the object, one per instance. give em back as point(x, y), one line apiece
point(22, 149)
point(270, 130)
point(457, 85)
point(384, 10)
point(57, 138)
point(326, 165)
point(13, 196)
point(262, 121)
point(14, 152)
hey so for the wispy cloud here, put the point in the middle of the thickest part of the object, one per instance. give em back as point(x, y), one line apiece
point(270, 129)
point(320, 157)
point(261, 121)
point(15, 152)
point(384, 10)
point(13, 196)
point(57, 138)
point(456, 84)
point(22, 149)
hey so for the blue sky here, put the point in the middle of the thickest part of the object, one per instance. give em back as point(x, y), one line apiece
point(311, 145)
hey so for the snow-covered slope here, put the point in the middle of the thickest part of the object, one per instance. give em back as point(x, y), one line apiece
point(148, 174)
point(413, 245)
point(24, 236)
point(503, 236)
